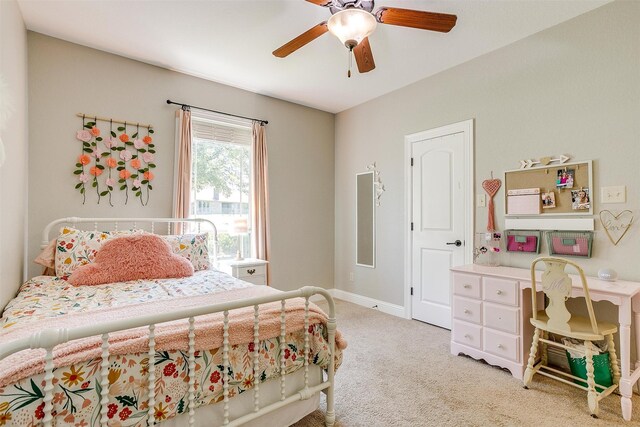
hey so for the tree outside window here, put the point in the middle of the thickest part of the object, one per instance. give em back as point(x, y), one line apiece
point(221, 173)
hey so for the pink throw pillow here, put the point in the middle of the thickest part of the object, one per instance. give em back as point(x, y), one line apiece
point(47, 258)
point(145, 256)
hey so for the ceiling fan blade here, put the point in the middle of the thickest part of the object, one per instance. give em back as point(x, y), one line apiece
point(364, 57)
point(301, 40)
point(432, 21)
point(324, 3)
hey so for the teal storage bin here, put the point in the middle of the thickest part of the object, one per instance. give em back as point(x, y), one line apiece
point(601, 370)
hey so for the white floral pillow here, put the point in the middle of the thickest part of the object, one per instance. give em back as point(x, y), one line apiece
point(75, 248)
point(193, 247)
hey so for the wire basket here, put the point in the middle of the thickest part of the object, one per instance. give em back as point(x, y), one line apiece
point(570, 243)
point(527, 241)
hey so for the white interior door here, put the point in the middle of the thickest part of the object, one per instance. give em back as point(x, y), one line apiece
point(439, 181)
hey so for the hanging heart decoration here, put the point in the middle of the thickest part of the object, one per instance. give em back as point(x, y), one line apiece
point(491, 186)
point(616, 226)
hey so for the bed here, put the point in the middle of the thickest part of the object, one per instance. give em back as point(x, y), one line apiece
point(206, 349)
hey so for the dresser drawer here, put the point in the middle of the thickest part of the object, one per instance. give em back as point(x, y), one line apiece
point(249, 271)
point(500, 344)
point(466, 309)
point(256, 280)
point(501, 317)
point(466, 285)
point(502, 291)
point(467, 334)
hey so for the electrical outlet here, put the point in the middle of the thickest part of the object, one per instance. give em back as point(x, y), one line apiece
point(351, 276)
point(616, 194)
point(481, 201)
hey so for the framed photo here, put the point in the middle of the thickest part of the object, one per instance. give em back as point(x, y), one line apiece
point(548, 200)
point(580, 199)
point(565, 178)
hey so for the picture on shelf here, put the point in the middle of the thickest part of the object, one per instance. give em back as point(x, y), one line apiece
point(580, 199)
point(548, 200)
point(565, 178)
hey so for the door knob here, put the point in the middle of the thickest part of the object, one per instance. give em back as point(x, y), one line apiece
point(457, 243)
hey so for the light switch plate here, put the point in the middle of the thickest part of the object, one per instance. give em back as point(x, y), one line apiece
point(614, 194)
point(481, 201)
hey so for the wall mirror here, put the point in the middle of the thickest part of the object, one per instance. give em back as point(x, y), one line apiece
point(365, 219)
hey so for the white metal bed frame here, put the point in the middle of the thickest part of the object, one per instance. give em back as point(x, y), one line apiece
point(49, 338)
point(74, 221)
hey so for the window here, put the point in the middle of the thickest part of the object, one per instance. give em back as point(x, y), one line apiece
point(221, 179)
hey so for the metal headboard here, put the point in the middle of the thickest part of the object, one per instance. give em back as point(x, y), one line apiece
point(135, 223)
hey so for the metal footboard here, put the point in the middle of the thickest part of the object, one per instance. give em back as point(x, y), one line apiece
point(47, 339)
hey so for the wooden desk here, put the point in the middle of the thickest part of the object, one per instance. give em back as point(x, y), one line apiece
point(624, 294)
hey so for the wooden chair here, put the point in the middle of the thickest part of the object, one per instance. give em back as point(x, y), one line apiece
point(556, 319)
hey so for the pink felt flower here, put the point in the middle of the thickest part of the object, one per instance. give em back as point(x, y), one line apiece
point(147, 157)
point(137, 183)
point(110, 142)
point(138, 143)
point(84, 135)
point(83, 177)
point(126, 155)
point(97, 152)
point(110, 182)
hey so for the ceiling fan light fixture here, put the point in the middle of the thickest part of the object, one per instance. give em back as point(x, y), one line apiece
point(351, 26)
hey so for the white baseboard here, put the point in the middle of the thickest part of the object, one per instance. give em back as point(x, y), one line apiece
point(385, 307)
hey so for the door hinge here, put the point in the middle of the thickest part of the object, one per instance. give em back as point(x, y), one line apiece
point(412, 226)
point(412, 290)
point(412, 161)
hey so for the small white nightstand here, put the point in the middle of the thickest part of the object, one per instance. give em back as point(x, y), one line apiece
point(249, 269)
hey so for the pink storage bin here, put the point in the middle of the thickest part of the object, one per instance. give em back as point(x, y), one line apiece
point(576, 243)
point(515, 244)
point(579, 246)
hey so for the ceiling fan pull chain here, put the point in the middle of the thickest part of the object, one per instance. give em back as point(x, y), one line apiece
point(350, 55)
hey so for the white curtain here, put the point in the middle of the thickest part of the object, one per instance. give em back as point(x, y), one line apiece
point(260, 195)
point(183, 177)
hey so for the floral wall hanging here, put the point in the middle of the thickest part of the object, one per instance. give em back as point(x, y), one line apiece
point(115, 161)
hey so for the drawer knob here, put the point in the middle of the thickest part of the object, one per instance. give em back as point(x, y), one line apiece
point(467, 312)
point(467, 286)
point(251, 270)
point(499, 292)
point(500, 346)
point(467, 336)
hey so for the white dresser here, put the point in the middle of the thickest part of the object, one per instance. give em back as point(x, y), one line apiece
point(249, 269)
point(488, 312)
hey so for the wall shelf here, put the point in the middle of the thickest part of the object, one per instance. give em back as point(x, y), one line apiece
point(547, 223)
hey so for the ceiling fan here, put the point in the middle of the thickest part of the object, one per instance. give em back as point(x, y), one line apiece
point(353, 21)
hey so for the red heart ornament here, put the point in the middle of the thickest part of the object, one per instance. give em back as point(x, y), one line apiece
point(491, 186)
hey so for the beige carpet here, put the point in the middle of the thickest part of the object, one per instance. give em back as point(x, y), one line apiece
point(400, 372)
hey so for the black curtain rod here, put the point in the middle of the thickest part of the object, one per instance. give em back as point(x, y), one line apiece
point(262, 122)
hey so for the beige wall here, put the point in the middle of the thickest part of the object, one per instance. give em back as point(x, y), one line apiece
point(574, 88)
point(13, 174)
point(66, 78)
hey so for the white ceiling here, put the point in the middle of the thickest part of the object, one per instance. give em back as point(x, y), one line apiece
point(231, 41)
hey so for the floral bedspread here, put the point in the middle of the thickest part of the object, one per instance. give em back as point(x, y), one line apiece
point(77, 388)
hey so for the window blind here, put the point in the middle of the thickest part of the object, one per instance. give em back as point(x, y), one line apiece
point(206, 128)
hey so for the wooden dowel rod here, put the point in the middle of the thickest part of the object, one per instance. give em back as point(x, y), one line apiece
point(107, 119)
